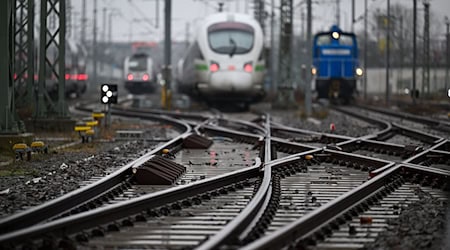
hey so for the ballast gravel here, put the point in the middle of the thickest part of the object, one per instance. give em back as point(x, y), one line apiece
point(422, 225)
point(60, 172)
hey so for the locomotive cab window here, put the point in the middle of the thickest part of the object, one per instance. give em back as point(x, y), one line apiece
point(138, 63)
point(230, 38)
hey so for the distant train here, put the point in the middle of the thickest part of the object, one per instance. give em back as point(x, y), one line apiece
point(139, 74)
point(76, 77)
point(335, 64)
point(225, 63)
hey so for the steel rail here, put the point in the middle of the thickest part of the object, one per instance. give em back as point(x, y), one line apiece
point(180, 115)
point(244, 136)
point(249, 125)
point(433, 123)
point(248, 217)
point(282, 144)
point(79, 222)
point(312, 222)
point(379, 146)
point(416, 134)
point(423, 155)
point(68, 201)
point(382, 135)
point(336, 137)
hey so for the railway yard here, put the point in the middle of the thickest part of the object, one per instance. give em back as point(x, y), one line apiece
point(222, 125)
point(353, 177)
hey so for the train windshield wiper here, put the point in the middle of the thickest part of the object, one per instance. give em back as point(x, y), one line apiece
point(233, 49)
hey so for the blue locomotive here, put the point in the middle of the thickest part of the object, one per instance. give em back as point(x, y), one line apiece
point(335, 64)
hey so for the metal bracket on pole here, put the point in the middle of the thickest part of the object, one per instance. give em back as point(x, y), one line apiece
point(426, 50)
point(285, 93)
point(51, 66)
point(7, 108)
point(24, 53)
point(167, 72)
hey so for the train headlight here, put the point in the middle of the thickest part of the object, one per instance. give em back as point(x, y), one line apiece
point(335, 35)
point(248, 67)
point(145, 77)
point(214, 67)
point(130, 77)
point(313, 71)
point(359, 72)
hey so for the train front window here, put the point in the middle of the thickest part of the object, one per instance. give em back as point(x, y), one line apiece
point(138, 64)
point(231, 38)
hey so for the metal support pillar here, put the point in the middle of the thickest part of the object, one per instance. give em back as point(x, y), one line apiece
point(259, 13)
point(83, 22)
point(52, 67)
point(414, 52)
point(388, 45)
point(338, 13)
point(365, 49)
point(94, 82)
point(167, 53)
point(447, 55)
point(426, 50)
point(24, 53)
point(273, 59)
point(285, 89)
point(7, 108)
point(308, 58)
point(353, 16)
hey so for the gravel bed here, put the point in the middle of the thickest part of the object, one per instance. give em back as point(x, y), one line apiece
point(422, 225)
point(344, 124)
point(25, 184)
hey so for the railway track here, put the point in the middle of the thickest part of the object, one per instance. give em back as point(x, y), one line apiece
point(325, 191)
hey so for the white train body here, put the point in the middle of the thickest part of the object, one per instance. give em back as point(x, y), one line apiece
point(139, 74)
point(225, 62)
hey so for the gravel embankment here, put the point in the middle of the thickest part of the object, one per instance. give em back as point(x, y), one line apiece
point(422, 225)
point(343, 124)
point(26, 184)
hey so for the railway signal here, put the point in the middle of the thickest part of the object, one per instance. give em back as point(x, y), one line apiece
point(108, 93)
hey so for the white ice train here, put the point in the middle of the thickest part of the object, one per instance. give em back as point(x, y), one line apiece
point(225, 63)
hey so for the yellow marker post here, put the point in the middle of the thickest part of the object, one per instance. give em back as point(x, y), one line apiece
point(92, 123)
point(81, 128)
point(20, 146)
point(98, 115)
point(20, 149)
point(90, 132)
point(37, 144)
point(163, 96)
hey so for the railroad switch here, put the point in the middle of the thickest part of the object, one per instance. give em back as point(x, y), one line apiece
point(158, 171)
point(20, 149)
point(195, 141)
point(39, 147)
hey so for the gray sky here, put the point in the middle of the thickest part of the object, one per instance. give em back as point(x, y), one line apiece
point(136, 19)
